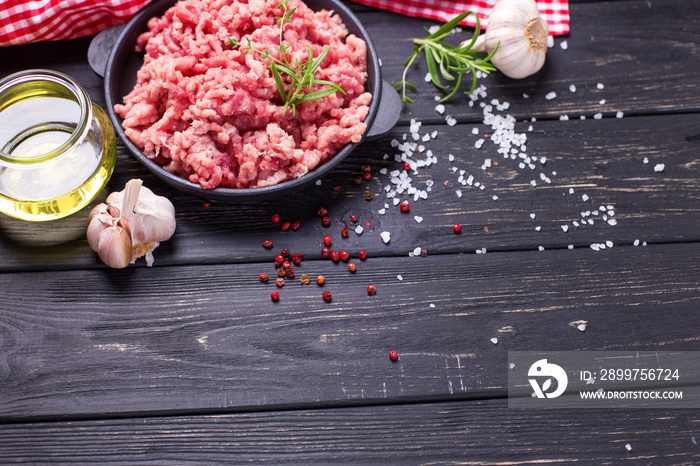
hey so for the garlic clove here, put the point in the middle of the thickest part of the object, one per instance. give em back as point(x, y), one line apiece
point(520, 33)
point(114, 247)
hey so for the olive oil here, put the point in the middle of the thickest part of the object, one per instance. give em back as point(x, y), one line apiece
point(57, 147)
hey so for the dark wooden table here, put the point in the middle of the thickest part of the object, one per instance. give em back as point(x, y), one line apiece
point(191, 362)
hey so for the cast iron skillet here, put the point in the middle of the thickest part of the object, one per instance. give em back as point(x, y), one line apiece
point(111, 55)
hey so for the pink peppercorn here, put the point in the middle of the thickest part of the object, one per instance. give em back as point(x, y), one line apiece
point(393, 355)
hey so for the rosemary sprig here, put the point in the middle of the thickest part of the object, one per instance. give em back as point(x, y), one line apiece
point(301, 75)
point(446, 61)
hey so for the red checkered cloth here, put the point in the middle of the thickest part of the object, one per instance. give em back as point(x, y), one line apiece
point(23, 21)
point(555, 12)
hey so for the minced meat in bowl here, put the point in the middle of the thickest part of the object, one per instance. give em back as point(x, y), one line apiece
point(210, 113)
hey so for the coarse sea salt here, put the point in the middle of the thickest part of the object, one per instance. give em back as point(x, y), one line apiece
point(494, 340)
point(659, 167)
point(551, 95)
point(418, 218)
point(386, 236)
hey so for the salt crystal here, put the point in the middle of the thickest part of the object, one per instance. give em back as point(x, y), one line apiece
point(575, 223)
point(581, 327)
point(645, 160)
point(659, 167)
point(609, 244)
point(427, 78)
point(494, 340)
point(533, 182)
point(432, 306)
point(619, 114)
point(529, 128)
point(590, 381)
point(511, 366)
point(636, 242)
point(495, 198)
point(381, 211)
point(571, 190)
point(440, 109)
point(551, 95)
point(628, 447)
point(550, 41)
point(584, 197)
point(526, 96)
point(565, 228)
point(572, 88)
point(563, 117)
point(450, 120)
point(451, 158)
point(602, 102)
point(359, 229)
point(612, 222)
point(383, 170)
point(416, 252)
point(386, 236)
point(564, 45)
point(532, 216)
point(571, 246)
point(540, 248)
point(479, 143)
point(598, 116)
point(318, 183)
point(399, 277)
point(418, 218)
point(475, 131)
point(600, 85)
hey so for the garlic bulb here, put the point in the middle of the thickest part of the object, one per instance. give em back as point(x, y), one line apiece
point(516, 28)
point(130, 225)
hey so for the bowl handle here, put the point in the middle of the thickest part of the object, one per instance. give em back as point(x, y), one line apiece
point(388, 113)
point(100, 48)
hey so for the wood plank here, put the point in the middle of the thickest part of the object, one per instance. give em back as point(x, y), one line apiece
point(202, 338)
point(475, 433)
point(602, 160)
point(610, 43)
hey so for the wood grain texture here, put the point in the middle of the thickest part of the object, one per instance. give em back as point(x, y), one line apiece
point(203, 338)
point(471, 433)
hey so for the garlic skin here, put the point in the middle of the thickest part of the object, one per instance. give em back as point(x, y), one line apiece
point(130, 225)
point(516, 28)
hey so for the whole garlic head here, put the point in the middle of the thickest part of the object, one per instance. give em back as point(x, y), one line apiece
point(131, 224)
point(516, 28)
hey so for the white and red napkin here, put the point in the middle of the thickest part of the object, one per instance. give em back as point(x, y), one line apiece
point(23, 21)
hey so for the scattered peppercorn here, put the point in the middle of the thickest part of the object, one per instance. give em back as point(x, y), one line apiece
point(358, 179)
point(285, 253)
point(344, 256)
point(352, 267)
point(362, 255)
point(486, 228)
point(286, 265)
point(322, 212)
point(393, 355)
point(327, 240)
point(368, 196)
point(326, 221)
point(267, 244)
point(367, 176)
point(297, 258)
point(281, 272)
point(457, 228)
point(275, 296)
point(406, 166)
point(275, 218)
point(263, 277)
point(371, 289)
point(279, 282)
point(335, 256)
point(296, 224)
point(290, 272)
point(206, 204)
point(366, 168)
point(305, 279)
point(320, 279)
point(424, 253)
point(279, 260)
point(344, 232)
point(286, 226)
point(327, 297)
point(404, 207)
point(326, 252)
point(353, 219)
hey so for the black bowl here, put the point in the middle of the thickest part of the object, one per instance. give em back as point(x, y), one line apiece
point(112, 55)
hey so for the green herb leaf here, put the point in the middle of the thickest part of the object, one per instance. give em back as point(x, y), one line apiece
point(445, 61)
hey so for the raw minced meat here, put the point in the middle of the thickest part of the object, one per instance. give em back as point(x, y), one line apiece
point(210, 113)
